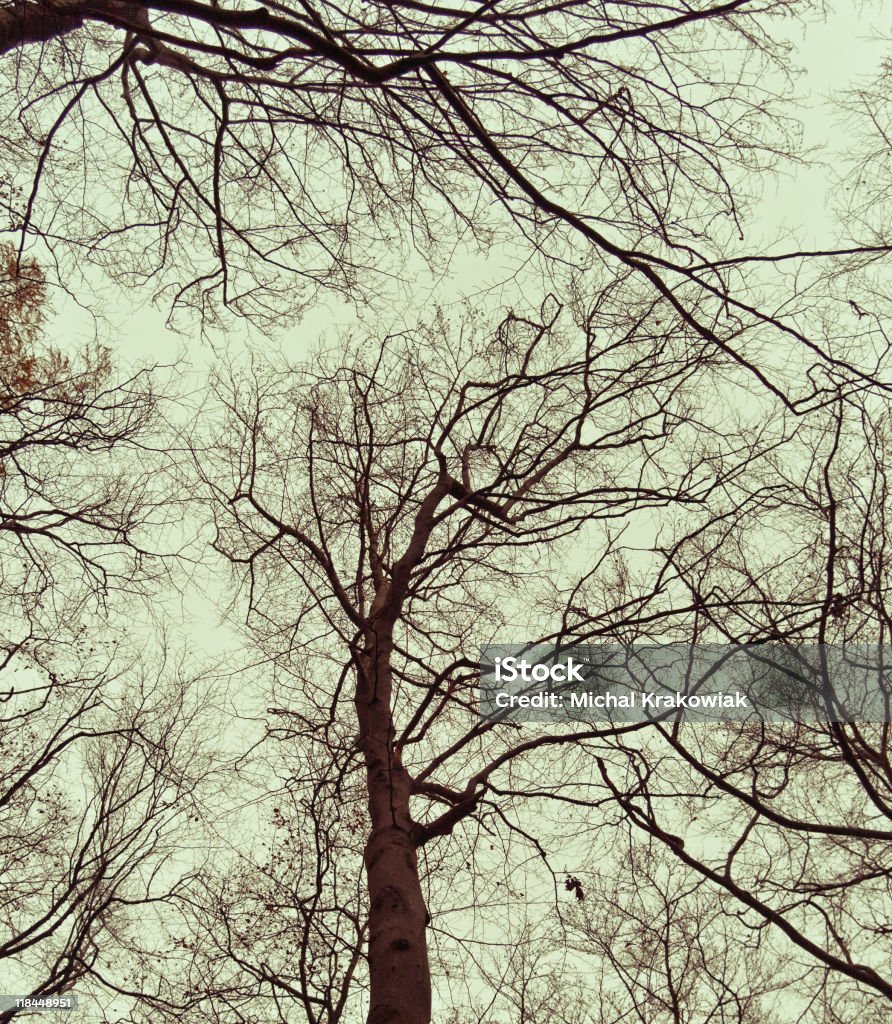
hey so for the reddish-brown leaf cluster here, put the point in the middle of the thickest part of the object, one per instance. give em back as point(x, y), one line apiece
point(28, 366)
point(22, 313)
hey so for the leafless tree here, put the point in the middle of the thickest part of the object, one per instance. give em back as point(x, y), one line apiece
point(99, 751)
point(392, 509)
point(713, 443)
point(803, 842)
point(639, 940)
point(98, 769)
point(251, 155)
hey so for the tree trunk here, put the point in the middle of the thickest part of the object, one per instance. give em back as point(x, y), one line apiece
point(398, 962)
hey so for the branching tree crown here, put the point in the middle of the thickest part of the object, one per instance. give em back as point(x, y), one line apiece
point(246, 154)
point(390, 511)
point(99, 749)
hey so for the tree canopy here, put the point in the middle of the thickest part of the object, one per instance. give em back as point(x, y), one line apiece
point(670, 432)
point(239, 155)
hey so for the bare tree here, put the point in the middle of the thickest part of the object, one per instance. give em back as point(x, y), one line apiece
point(250, 156)
point(805, 811)
point(639, 940)
point(392, 510)
point(272, 924)
point(714, 445)
point(99, 752)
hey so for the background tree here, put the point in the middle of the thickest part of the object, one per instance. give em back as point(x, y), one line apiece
point(644, 942)
point(273, 925)
point(98, 773)
point(99, 755)
point(22, 303)
point(73, 510)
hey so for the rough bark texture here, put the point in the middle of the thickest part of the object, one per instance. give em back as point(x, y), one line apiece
point(400, 975)
point(36, 23)
point(398, 961)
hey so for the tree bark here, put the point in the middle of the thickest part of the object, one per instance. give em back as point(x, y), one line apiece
point(398, 961)
point(36, 23)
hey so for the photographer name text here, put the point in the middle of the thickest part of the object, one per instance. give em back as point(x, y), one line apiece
point(512, 669)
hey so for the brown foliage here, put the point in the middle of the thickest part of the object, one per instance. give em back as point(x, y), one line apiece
point(27, 364)
point(22, 313)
